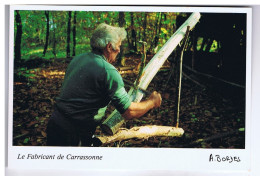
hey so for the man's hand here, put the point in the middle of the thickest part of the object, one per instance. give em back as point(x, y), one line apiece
point(156, 98)
point(136, 110)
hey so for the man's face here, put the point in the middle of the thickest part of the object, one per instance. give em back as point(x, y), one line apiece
point(112, 54)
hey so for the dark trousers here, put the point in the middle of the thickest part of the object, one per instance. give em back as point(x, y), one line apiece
point(62, 131)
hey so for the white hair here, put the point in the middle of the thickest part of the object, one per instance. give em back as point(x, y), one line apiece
point(105, 34)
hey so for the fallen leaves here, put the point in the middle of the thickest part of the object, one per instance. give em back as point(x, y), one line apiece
point(31, 124)
point(203, 113)
point(33, 103)
point(44, 134)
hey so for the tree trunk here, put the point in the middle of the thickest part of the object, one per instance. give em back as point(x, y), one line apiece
point(121, 22)
point(144, 26)
point(68, 35)
point(158, 25)
point(18, 37)
point(159, 29)
point(54, 38)
point(47, 32)
point(74, 33)
point(166, 27)
point(203, 44)
point(133, 33)
point(142, 132)
point(121, 19)
point(209, 44)
point(156, 41)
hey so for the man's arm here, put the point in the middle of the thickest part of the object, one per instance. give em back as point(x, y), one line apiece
point(136, 110)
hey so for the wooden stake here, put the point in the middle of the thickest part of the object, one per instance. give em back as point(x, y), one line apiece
point(180, 76)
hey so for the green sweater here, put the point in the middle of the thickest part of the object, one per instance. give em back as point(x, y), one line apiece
point(90, 83)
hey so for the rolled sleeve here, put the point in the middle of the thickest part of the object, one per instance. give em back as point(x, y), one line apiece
point(121, 100)
point(116, 91)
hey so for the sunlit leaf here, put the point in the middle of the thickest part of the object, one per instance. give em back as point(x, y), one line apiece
point(241, 129)
point(26, 140)
point(43, 134)
point(164, 30)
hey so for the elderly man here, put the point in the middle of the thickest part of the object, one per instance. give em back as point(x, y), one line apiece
point(90, 83)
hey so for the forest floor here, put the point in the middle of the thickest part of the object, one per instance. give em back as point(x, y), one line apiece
point(209, 118)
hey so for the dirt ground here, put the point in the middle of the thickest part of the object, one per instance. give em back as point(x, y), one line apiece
point(209, 118)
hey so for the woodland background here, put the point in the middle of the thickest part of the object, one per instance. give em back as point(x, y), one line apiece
point(213, 91)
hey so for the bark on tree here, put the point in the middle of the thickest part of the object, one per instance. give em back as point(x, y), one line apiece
point(128, 38)
point(68, 34)
point(121, 22)
point(47, 14)
point(121, 19)
point(144, 26)
point(142, 132)
point(158, 30)
point(54, 38)
point(203, 44)
point(18, 37)
point(158, 25)
point(74, 33)
point(209, 44)
point(133, 33)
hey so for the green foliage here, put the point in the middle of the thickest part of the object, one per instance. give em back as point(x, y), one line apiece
point(192, 115)
point(241, 129)
point(214, 46)
point(34, 30)
point(203, 144)
point(193, 120)
point(160, 24)
point(199, 43)
point(26, 73)
point(26, 140)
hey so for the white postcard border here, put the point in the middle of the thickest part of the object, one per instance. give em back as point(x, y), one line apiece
point(132, 158)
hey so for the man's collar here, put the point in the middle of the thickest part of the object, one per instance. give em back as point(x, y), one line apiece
point(98, 52)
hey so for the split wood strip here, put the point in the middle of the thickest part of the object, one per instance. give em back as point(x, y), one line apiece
point(21, 135)
point(210, 76)
point(126, 68)
point(196, 82)
point(143, 132)
point(112, 123)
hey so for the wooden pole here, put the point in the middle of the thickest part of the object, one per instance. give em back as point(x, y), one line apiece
point(142, 63)
point(180, 76)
